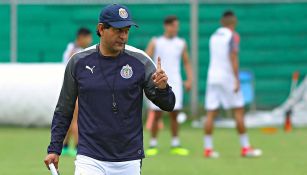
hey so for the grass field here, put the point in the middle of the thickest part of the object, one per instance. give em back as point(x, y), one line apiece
point(22, 152)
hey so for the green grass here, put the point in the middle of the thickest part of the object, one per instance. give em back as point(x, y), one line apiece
point(22, 152)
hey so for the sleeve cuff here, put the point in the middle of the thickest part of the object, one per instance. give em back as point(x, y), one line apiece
point(52, 149)
point(165, 90)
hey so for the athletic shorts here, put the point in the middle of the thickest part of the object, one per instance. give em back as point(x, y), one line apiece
point(221, 95)
point(178, 91)
point(88, 166)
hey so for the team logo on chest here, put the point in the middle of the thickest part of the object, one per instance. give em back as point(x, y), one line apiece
point(126, 72)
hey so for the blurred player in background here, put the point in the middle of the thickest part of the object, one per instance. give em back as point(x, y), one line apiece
point(83, 40)
point(223, 85)
point(171, 49)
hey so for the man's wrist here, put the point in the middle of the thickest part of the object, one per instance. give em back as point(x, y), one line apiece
point(53, 152)
point(163, 89)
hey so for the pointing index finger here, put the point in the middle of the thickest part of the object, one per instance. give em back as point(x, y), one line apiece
point(159, 64)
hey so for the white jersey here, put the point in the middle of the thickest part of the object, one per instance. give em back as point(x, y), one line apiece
point(220, 69)
point(71, 49)
point(221, 78)
point(170, 51)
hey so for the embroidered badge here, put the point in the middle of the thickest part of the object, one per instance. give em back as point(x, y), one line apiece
point(126, 72)
point(123, 13)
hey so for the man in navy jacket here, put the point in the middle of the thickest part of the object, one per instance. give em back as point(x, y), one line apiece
point(108, 79)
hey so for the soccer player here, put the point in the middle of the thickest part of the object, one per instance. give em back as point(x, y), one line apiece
point(109, 79)
point(172, 49)
point(83, 40)
point(223, 86)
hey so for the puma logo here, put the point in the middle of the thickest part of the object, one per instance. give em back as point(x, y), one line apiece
point(91, 69)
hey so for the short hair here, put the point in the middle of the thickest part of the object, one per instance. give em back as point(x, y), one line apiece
point(228, 18)
point(170, 19)
point(83, 32)
point(228, 13)
point(105, 25)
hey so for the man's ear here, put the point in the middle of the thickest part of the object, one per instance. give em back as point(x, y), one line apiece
point(100, 29)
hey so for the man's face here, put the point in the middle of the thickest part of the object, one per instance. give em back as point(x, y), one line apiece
point(172, 28)
point(115, 38)
point(85, 40)
point(230, 22)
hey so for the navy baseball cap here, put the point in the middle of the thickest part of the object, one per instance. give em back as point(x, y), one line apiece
point(117, 16)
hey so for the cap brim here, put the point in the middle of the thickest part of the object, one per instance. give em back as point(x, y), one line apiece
point(122, 24)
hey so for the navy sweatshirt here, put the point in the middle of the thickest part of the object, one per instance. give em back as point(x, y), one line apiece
point(92, 78)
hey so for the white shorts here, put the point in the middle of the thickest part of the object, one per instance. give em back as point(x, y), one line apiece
point(221, 95)
point(178, 91)
point(88, 166)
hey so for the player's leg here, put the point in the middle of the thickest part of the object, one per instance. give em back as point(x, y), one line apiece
point(85, 165)
point(239, 117)
point(150, 118)
point(65, 149)
point(74, 131)
point(209, 123)
point(175, 142)
point(246, 149)
point(174, 128)
point(212, 104)
point(236, 102)
point(177, 88)
point(178, 91)
point(75, 125)
point(155, 128)
point(153, 142)
point(208, 139)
